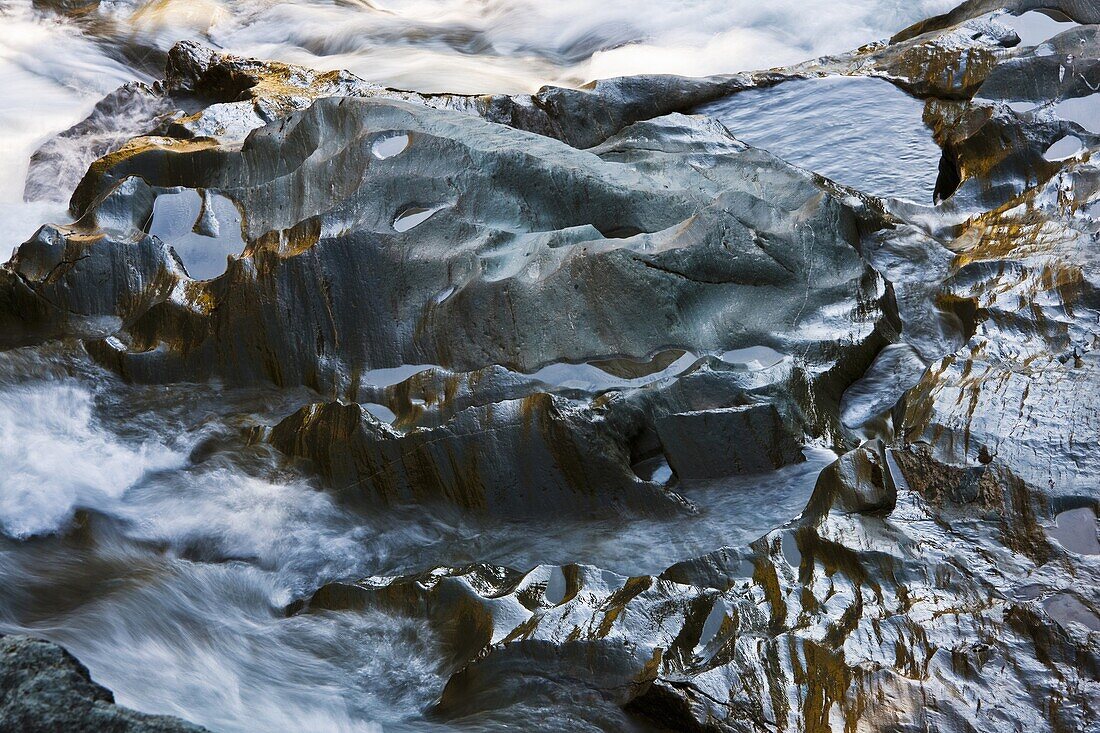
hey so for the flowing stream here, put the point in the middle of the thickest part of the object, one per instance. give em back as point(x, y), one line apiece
point(137, 525)
point(862, 132)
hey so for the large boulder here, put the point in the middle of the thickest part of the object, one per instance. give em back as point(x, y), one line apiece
point(632, 248)
point(380, 233)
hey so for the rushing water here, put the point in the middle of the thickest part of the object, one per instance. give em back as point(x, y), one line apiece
point(862, 132)
point(139, 530)
point(482, 46)
point(53, 70)
point(52, 75)
point(136, 525)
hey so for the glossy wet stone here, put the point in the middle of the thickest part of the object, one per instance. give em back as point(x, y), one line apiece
point(641, 428)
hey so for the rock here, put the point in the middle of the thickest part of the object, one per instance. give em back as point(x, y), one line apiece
point(1061, 70)
point(40, 288)
point(44, 689)
point(868, 404)
point(875, 608)
point(858, 483)
point(669, 235)
point(550, 453)
point(873, 602)
point(236, 95)
point(1023, 388)
point(1082, 11)
point(699, 442)
point(586, 117)
point(538, 456)
point(68, 7)
point(512, 304)
point(532, 214)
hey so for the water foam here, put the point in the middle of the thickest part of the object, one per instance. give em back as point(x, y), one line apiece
point(178, 601)
point(52, 76)
point(508, 46)
point(57, 459)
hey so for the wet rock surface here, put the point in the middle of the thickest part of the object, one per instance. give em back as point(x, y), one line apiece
point(576, 303)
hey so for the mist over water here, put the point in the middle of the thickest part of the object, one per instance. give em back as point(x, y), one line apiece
point(138, 527)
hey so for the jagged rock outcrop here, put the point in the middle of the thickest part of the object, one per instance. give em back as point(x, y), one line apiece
point(44, 689)
point(881, 608)
point(1024, 388)
point(921, 587)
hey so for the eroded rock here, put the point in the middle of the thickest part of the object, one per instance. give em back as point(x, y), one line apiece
point(531, 297)
point(893, 600)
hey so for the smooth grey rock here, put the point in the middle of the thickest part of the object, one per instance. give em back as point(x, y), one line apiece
point(614, 241)
point(868, 404)
point(703, 443)
point(1067, 67)
point(539, 456)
